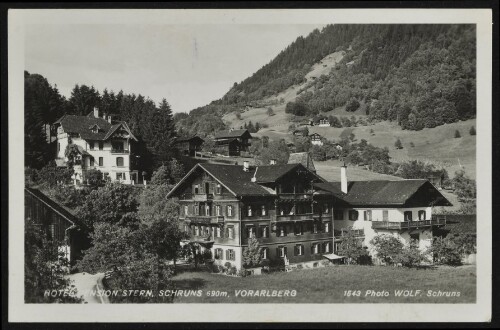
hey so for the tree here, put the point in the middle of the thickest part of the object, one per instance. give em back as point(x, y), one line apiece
point(352, 248)
point(277, 150)
point(372, 132)
point(398, 144)
point(387, 248)
point(352, 105)
point(445, 251)
point(161, 134)
point(45, 268)
point(169, 173)
point(72, 154)
point(112, 203)
point(411, 256)
point(472, 130)
point(51, 175)
point(270, 112)
point(465, 189)
point(83, 99)
point(209, 145)
point(252, 255)
point(457, 134)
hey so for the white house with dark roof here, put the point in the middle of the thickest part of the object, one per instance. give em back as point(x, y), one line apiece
point(101, 143)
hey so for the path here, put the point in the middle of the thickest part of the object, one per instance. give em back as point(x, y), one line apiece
point(84, 283)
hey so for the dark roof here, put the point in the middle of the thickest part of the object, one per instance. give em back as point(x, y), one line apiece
point(232, 134)
point(302, 158)
point(383, 193)
point(234, 178)
point(187, 139)
point(314, 134)
point(83, 125)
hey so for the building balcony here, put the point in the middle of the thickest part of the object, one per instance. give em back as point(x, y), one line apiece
point(201, 219)
point(407, 225)
point(295, 197)
point(344, 232)
point(202, 197)
point(120, 151)
point(295, 217)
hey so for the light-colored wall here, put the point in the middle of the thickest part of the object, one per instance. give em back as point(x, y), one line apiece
point(109, 158)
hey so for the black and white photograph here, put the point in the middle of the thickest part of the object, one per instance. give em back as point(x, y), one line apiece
point(271, 165)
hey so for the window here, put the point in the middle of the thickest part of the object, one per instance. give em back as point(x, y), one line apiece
point(265, 253)
point(101, 161)
point(326, 227)
point(207, 209)
point(338, 215)
point(385, 215)
point(367, 215)
point(249, 210)
point(250, 231)
point(229, 211)
point(219, 254)
point(218, 189)
point(119, 161)
point(408, 215)
point(264, 231)
point(326, 209)
point(186, 210)
point(230, 255)
point(299, 250)
point(298, 228)
point(197, 231)
point(263, 211)
point(281, 231)
point(91, 161)
point(186, 228)
point(315, 228)
point(101, 145)
point(353, 215)
point(281, 251)
point(421, 215)
point(315, 248)
point(230, 232)
point(117, 146)
point(196, 209)
point(217, 210)
point(91, 145)
point(327, 247)
point(218, 232)
point(119, 176)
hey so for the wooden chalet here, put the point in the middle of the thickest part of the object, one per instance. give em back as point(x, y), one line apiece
point(232, 142)
point(189, 146)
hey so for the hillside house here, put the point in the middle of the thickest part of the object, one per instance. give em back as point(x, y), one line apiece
point(101, 144)
point(189, 146)
point(316, 139)
point(300, 132)
point(324, 123)
point(293, 212)
point(232, 142)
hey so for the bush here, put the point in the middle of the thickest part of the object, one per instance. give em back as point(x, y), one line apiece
point(242, 273)
point(352, 105)
point(410, 256)
point(387, 248)
point(472, 131)
point(445, 252)
point(457, 134)
point(95, 178)
point(398, 144)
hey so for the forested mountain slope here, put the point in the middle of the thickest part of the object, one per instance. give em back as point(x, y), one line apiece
point(416, 75)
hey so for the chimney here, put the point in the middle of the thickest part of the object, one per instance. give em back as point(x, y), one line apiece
point(272, 162)
point(109, 119)
point(96, 112)
point(343, 178)
point(246, 166)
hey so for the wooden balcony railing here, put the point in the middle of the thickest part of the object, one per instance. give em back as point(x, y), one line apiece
point(343, 232)
point(401, 225)
point(295, 196)
point(212, 219)
point(120, 151)
point(295, 217)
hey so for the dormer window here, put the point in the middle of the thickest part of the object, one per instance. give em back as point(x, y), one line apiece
point(95, 128)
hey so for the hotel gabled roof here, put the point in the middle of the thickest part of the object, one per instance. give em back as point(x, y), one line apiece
point(83, 125)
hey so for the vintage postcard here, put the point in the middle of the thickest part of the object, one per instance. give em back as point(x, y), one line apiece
point(284, 165)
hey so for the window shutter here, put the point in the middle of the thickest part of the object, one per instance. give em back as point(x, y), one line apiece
point(227, 254)
point(312, 248)
point(295, 250)
point(286, 254)
point(277, 251)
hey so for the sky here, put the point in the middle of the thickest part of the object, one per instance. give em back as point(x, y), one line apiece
point(190, 65)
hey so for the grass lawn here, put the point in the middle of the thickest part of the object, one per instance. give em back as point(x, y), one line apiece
point(327, 285)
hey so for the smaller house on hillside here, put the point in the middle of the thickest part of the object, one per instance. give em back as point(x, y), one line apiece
point(232, 142)
point(316, 139)
point(303, 158)
point(324, 123)
point(189, 146)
